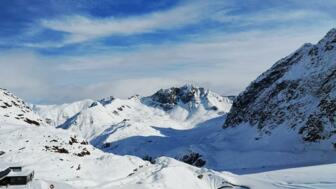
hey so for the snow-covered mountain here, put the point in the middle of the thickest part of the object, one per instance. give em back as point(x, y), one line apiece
point(66, 160)
point(110, 123)
point(15, 110)
point(181, 123)
point(188, 106)
point(283, 120)
point(188, 101)
point(57, 114)
point(297, 93)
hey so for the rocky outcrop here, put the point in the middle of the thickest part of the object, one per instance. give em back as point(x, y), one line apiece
point(168, 98)
point(15, 110)
point(189, 97)
point(298, 92)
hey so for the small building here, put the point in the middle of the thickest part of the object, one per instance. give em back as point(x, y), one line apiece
point(4, 173)
point(15, 175)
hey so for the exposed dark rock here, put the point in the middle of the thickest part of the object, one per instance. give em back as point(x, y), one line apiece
point(16, 109)
point(149, 158)
point(167, 98)
point(84, 142)
point(106, 101)
point(193, 159)
point(93, 104)
point(84, 152)
point(188, 96)
point(299, 91)
point(73, 140)
point(31, 121)
point(214, 108)
point(313, 129)
point(59, 150)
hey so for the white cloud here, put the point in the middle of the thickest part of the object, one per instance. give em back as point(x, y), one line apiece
point(82, 28)
point(25, 73)
point(224, 63)
point(275, 15)
point(221, 50)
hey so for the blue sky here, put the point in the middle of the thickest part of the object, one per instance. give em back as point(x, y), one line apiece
point(55, 51)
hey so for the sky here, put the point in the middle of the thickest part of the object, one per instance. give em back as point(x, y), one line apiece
point(59, 51)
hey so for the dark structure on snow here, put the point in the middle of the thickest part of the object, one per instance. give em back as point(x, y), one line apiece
point(15, 176)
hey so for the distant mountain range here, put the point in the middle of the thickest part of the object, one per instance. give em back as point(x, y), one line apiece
point(285, 118)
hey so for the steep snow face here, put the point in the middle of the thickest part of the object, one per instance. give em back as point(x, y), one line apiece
point(188, 102)
point(56, 115)
point(298, 92)
point(14, 110)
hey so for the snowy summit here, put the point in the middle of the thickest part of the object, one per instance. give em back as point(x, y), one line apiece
point(167, 94)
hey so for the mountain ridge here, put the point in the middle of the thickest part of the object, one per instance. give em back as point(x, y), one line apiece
point(15, 110)
point(297, 92)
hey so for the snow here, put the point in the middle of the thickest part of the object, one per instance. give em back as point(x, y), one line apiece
point(58, 114)
point(97, 170)
point(101, 143)
point(15, 110)
point(25, 145)
point(312, 177)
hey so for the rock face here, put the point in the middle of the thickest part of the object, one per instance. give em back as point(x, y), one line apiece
point(14, 110)
point(298, 92)
point(187, 96)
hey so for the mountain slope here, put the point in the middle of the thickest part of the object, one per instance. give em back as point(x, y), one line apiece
point(298, 92)
point(188, 101)
point(143, 126)
point(36, 148)
point(91, 118)
point(66, 160)
point(15, 110)
point(56, 115)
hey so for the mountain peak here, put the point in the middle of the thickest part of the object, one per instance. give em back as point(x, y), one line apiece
point(189, 86)
point(298, 92)
point(106, 100)
point(331, 33)
point(188, 97)
point(328, 39)
point(168, 98)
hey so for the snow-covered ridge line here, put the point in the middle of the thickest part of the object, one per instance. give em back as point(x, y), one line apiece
point(15, 110)
point(187, 101)
point(298, 92)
